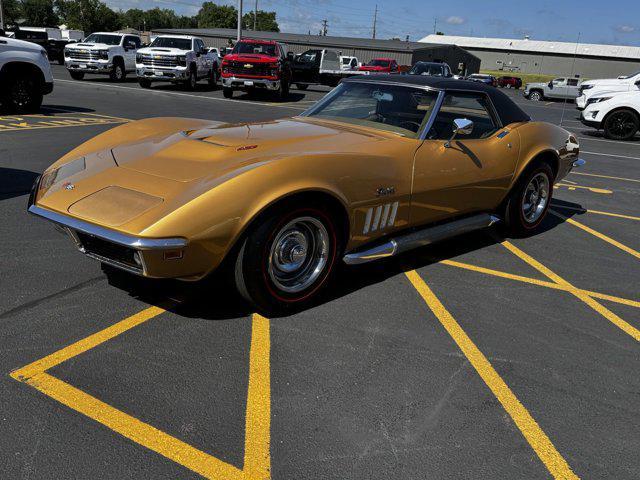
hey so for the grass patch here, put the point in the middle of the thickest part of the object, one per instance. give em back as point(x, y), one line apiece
point(526, 77)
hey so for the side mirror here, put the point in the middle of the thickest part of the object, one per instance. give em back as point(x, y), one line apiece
point(550, 84)
point(461, 126)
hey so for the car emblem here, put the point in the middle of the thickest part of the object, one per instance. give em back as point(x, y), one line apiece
point(248, 65)
point(157, 57)
point(68, 186)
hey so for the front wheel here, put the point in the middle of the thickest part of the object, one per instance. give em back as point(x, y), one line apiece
point(21, 94)
point(286, 259)
point(302, 86)
point(118, 73)
point(213, 78)
point(227, 92)
point(283, 92)
point(535, 96)
point(192, 80)
point(76, 75)
point(144, 83)
point(529, 201)
point(621, 125)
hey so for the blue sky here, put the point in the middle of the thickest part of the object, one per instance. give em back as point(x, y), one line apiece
point(618, 23)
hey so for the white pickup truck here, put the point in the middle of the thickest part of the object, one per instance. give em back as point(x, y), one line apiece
point(178, 59)
point(559, 88)
point(25, 75)
point(113, 54)
point(624, 83)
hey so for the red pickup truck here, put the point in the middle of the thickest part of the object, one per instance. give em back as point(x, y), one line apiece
point(380, 65)
point(256, 64)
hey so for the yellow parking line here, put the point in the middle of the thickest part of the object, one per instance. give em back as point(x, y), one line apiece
point(602, 310)
point(597, 212)
point(532, 432)
point(258, 409)
point(601, 236)
point(540, 283)
point(591, 189)
point(606, 176)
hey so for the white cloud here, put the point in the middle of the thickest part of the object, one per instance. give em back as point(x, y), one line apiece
point(625, 29)
point(455, 20)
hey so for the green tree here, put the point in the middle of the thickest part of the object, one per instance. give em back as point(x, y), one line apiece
point(212, 15)
point(88, 15)
point(12, 10)
point(266, 21)
point(39, 13)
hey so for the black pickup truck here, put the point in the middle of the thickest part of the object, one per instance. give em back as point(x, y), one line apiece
point(318, 67)
point(54, 47)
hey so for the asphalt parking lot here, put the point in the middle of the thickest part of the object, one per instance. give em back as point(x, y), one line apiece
point(479, 358)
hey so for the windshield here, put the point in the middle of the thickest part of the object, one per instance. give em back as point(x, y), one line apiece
point(168, 42)
point(103, 38)
point(256, 48)
point(394, 108)
point(307, 57)
point(625, 77)
point(427, 69)
point(378, 63)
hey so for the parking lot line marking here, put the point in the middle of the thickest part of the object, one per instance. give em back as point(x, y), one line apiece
point(605, 155)
point(541, 283)
point(258, 409)
point(595, 233)
point(603, 191)
point(608, 176)
point(609, 141)
point(597, 212)
point(535, 436)
point(602, 310)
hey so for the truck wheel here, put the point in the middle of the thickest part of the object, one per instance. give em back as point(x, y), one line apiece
point(213, 78)
point(76, 75)
point(529, 200)
point(621, 124)
point(144, 83)
point(21, 94)
point(536, 96)
point(287, 258)
point(302, 86)
point(118, 73)
point(192, 80)
point(227, 92)
point(283, 91)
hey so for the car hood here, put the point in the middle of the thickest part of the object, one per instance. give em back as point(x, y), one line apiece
point(599, 82)
point(608, 88)
point(372, 68)
point(22, 45)
point(163, 51)
point(89, 46)
point(216, 150)
point(250, 57)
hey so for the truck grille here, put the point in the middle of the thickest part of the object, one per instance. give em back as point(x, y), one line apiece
point(159, 61)
point(109, 252)
point(79, 55)
point(247, 68)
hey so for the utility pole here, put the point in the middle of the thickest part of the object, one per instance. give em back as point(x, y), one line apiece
point(324, 27)
point(1, 16)
point(375, 20)
point(255, 17)
point(239, 36)
point(435, 23)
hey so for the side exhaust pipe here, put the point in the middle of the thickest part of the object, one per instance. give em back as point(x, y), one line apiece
point(421, 238)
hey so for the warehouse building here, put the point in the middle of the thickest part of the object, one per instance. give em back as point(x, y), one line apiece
point(405, 53)
point(552, 58)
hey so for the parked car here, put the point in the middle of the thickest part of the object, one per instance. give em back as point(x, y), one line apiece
point(372, 170)
point(559, 88)
point(25, 75)
point(616, 113)
point(319, 66)
point(509, 82)
point(349, 63)
point(177, 59)
point(483, 78)
point(380, 65)
point(623, 83)
point(434, 69)
point(112, 54)
point(257, 64)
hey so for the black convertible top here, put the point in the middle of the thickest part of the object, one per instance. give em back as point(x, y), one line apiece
point(508, 111)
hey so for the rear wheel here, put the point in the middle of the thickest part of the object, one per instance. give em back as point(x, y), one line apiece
point(287, 258)
point(76, 75)
point(21, 94)
point(621, 124)
point(529, 200)
point(227, 92)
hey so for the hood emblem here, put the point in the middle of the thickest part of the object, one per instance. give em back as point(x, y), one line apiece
point(248, 65)
point(68, 186)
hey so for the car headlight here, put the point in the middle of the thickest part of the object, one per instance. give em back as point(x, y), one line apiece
point(598, 100)
point(103, 54)
point(182, 60)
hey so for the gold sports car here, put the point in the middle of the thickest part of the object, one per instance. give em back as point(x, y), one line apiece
point(380, 165)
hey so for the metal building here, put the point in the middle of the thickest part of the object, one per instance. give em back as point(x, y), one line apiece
point(552, 58)
point(405, 53)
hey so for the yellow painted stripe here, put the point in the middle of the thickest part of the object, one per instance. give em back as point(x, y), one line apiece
point(541, 283)
point(601, 236)
point(532, 432)
point(597, 212)
point(85, 344)
point(134, 429)
point(606, 176)
point(605, 312)
point(257, 457)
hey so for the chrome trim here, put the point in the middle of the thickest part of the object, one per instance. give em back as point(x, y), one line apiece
point(138, 243)
point(578, 163)
point(421, 238)
point(432, 117)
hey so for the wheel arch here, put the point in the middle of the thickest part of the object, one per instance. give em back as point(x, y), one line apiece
point(18, 66)
point(617, 109)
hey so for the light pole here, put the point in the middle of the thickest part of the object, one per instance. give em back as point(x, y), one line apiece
point(1, 17)
point(239, 20)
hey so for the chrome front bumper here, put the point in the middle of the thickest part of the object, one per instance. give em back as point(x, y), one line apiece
point(120, 250)
point(88, 66)
point(170, 74)
point(238, 82)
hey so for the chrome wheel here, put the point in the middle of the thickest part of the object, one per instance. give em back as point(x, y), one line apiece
point(535, 198)
point(118, 72)
point(298, 254)
point(535, 97)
